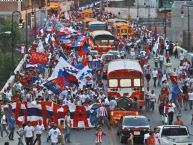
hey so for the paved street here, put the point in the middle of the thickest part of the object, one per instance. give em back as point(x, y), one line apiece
point(87, 137)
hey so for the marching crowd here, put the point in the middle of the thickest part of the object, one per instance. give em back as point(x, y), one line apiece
point(28, 88)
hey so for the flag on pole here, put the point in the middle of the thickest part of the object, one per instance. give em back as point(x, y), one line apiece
point(56, 85)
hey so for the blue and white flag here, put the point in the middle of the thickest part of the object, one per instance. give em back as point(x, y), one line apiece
point(62, 63)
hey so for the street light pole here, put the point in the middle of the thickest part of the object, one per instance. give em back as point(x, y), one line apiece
point(137, 9)
point(188, 29)
point(12, 36)
point(165, 27)
point(149, 14)
point(34, 14)
point(26, 31)
point(182, 13)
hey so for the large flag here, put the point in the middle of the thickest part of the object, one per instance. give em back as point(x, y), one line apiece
point(85, 60)
point(62, 63)
point(86, 72)
point(70, 78)
point(56, 85)
point(84, 50)
point(38, 58)
point(176, 91)
point(79, 41)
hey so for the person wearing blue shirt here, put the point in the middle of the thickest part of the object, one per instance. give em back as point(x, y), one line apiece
point(11, 126)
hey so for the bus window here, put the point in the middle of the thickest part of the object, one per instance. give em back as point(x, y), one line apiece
point(137, 82)
point(124, 30)
point(97, 42)
point(125, 83)
point(113, 83)
point(111, 42)
point(105, 42)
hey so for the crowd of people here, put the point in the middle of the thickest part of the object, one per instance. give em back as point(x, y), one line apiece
point(28, 85)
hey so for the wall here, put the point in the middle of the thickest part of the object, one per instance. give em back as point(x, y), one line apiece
point(143, 12)
point(179, 23)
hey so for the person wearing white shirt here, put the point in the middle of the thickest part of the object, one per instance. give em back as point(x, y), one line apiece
point(171, 111)
point(164, 76)
point(112, 104)
point(54, 134)
point(17, 86)
point(156, 136)
point(8, 94)
point(67, 127)
point(29, 134)
point(190, 94)
point(161, 60)
point(3, 125)
point(154, 75)
point(38, 131)
point(146, 137)
point(101, 95)
point(106, 101)
point(82, 97)
point(182, 56)
point(152, 100)
point(20, 132)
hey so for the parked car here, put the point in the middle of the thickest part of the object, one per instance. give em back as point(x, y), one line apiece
point(175, 135)
point(137, 125)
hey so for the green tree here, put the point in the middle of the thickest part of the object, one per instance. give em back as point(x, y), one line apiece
point(5, 39)
point(6, 69)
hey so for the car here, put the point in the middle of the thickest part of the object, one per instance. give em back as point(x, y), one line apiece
point(117, 53)
point(138, 125)
point(94, 53)
point(106, 58)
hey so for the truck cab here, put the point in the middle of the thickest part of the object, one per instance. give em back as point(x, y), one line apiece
point(175, 135)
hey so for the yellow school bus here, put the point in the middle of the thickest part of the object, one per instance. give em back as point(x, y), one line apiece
point(122, 30)
point(88, 13)
point(86, 21)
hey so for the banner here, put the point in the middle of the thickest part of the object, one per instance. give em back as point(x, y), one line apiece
point(38, 58)
point(52, 112)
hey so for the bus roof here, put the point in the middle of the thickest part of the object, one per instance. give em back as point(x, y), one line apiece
point(121, 24)
point(117, 21)
point(89, 19)
point(96, 23)
point(124, 64)
point(100, 32)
